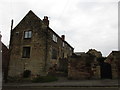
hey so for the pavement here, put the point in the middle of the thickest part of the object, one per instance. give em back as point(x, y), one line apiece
point(62, 82)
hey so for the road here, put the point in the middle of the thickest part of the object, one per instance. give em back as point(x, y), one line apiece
point(60, 88)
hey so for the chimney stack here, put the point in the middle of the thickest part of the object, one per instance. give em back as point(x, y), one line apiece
point(46, 21)
point(63, 37)
point(11, 24)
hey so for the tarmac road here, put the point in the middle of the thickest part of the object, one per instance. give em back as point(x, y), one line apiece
point(60, 88)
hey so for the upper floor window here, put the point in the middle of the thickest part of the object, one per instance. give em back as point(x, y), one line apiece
point(27, 34)
point(54, 54)
point(54, 38)
point(63, 44)
point(26, 52)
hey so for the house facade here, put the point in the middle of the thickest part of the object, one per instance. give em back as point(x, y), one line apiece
point(5, 62)
point(113, 60)
point(34, 46)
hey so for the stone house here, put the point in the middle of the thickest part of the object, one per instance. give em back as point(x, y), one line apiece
point(113, 59)
point(5, 62)
point(34, 46)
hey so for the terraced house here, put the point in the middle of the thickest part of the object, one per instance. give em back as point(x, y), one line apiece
point(34, 46)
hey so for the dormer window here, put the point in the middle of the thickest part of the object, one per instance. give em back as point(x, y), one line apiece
point(27, 34)
point(54, 38)
point(63, 44)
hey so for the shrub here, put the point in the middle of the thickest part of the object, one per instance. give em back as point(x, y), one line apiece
point(14, 79)
point(43, 79)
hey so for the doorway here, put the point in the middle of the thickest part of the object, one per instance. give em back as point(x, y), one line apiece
point(106, 71)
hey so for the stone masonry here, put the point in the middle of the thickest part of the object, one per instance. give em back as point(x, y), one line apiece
point(34, 46)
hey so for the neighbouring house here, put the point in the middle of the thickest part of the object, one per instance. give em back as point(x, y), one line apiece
point(35, 47)
point(5, 61)
point(114, 63)
point(95, 53)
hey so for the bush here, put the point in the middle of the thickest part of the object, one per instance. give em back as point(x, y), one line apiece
point(14, 79)
point(43, 79)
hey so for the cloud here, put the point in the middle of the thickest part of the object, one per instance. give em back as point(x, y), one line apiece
point(86, 24)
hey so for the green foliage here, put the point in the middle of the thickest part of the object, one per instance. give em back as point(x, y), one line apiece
point(43, 79)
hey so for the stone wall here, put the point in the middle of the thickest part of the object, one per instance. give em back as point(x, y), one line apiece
point(79, 67)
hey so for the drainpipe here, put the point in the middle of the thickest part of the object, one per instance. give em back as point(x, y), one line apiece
point(46, 49)
point(46, 23)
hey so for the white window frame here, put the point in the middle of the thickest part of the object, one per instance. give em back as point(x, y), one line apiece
point(63, 44)
point(54, 38)
point(27, 34)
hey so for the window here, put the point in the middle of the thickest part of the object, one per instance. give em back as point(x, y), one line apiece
point(17, 33)
point(54, 38)
point(63, 55)
point(54, 54)
point(63, 44)
point(27, 34)
point(26, 52)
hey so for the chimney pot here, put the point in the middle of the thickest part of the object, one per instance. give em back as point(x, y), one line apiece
point(63, 37)
point(46, 21)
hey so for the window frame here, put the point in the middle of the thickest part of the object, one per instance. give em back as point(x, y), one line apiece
point(54, 53)
point(28, 34)
point(54, 38)
point(63, 44)
point(26, 52)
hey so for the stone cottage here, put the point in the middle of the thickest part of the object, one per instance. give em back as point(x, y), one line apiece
point(113, 59)
point(34, 46)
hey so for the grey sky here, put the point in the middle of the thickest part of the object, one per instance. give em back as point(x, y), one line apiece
point(85, 23)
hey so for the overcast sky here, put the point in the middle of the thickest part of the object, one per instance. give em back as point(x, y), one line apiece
point(86, 23)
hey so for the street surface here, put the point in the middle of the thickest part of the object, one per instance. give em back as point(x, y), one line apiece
point(61, 88)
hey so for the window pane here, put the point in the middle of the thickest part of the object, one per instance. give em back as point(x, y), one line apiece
point(29, 34)
point(63, 44)
point(26, 52)
point(54, 54)
point(26, 35)
point(54, 38)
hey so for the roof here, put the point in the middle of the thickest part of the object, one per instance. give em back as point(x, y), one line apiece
point(61, 38)
point(114, 53)
point(32, 14)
